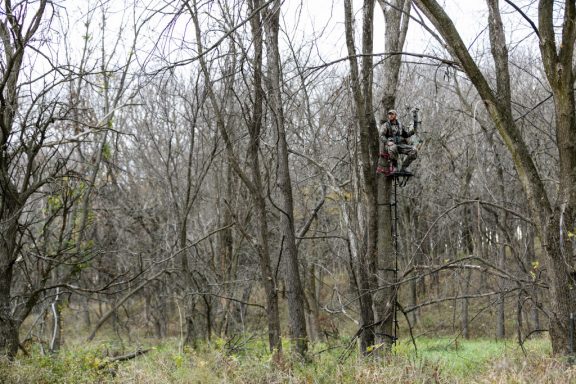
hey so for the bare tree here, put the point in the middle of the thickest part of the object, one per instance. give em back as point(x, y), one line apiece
point(396, 16)
point(380, 255)
point(255, 130)
point(25, 120)
point(553, 217)
point(361, 84)
point(254, 183)
point(294, 287)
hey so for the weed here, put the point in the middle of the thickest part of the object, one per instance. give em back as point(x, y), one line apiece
point(437, 360)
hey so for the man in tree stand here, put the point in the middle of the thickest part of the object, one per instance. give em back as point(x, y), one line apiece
point(394, 141)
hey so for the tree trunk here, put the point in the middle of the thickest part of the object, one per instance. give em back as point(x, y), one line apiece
point(294, 289)
point(228, 261)
point(8, 229)
point(255, 129)
point(313, 298)
point(8, 325)
point(56, 336)
point(368, 140)
point(501, 314)
point(535, 269)
point(464, 316)
point(385, 296)
point(190, 338)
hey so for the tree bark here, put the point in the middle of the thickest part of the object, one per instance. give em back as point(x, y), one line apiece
point(255, 130)
point(464, 316)
point(500, 313)
point(294, 288)
point(313, 301)
point(368, 139)
point(8, 325)
point(558, 66)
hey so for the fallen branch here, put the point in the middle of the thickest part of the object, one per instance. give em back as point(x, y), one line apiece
point(128, 356)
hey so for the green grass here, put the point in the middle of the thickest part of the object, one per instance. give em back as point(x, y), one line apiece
point(465, 359)
point(437, 360)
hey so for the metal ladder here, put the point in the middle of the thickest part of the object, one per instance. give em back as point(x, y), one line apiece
point(400, 179)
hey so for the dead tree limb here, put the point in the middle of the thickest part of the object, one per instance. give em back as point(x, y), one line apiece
point(128, 356)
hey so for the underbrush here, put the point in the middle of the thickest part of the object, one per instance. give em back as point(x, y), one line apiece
point(436, 360)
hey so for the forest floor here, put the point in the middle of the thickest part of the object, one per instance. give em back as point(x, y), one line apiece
point(246, 360)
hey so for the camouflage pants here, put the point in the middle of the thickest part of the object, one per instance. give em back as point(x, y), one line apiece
point(391, 151)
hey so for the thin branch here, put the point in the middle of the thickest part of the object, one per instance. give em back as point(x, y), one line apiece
point(457, 297)
point(193, 244)
point(108, 314)
point(302, 232)
point(231, 299)
point(217, 43)
point(386, 54)
point(517, 8)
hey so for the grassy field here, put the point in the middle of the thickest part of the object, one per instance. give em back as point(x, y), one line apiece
point(441, 360)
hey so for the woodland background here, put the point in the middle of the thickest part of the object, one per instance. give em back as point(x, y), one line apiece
point(198, 172)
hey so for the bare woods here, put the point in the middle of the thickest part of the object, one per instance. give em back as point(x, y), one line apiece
point(208, 169)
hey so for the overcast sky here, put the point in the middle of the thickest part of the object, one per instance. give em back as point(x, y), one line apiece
point(325, 19)
point(318, 22)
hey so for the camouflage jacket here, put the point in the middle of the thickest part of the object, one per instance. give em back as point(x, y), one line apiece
point(394, 132)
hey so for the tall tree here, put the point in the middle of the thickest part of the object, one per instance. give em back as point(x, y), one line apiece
point(17, 35)
point(257, 186)
point(554, 214)
point(396, 16)
point(361, 84)
point(294, 287)
point(377, 266)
